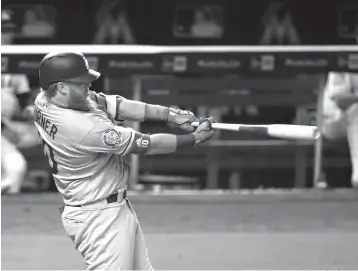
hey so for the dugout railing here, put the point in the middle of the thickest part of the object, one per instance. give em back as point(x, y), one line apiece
point(290, 76)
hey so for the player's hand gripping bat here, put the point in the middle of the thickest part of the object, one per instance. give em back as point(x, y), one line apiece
point(284, 131)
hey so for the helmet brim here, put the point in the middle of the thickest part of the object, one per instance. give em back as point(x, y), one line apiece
point(88, 77)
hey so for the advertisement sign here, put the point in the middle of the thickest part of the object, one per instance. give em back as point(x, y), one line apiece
point(199, 63)
point(263, 63)
point(348, 62)
point(130, 64)
point(176, 63)
point(216, 63)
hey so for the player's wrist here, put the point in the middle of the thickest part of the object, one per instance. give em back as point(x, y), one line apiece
point(184, 141)
point(199, 137)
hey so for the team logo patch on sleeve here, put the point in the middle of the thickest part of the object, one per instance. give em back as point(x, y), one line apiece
point(112, 138)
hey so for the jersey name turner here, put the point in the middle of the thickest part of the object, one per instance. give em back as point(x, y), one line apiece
point(45, 123)
point(85, 150)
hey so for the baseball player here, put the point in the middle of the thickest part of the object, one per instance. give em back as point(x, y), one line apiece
point(15, 99)
point(340, 113)
point(86, 151)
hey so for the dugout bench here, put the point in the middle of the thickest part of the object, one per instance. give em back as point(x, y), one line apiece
point(229, 151)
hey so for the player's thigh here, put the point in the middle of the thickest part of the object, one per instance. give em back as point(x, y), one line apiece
point(106, 237)
point(74, 223)
point(141, 258)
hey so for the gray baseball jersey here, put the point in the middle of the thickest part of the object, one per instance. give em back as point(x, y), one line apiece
point(86, 150)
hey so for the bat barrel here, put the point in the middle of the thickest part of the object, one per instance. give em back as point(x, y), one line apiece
point(284, 131)
point(297, 132)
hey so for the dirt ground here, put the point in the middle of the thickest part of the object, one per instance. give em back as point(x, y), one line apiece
point(211, 230)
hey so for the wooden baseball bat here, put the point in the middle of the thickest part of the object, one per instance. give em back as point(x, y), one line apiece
point(284, 131)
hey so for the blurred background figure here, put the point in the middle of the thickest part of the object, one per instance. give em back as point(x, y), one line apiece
point(205, 25)
point(279, 27)
point(28, 24)
point(112, 24)
point(340, 114)
point(36, 24)
point(7, 27)
point(198, 22)
point(7, 38)
point(17, 130)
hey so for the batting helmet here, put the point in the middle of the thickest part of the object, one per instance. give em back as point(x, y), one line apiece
point(72, 67)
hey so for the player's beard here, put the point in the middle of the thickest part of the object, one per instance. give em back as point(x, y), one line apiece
point(91, 105)
point(82, 103)
point(88, 104)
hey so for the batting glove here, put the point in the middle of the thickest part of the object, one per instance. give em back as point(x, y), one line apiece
point(182, 118)
point(204, 131)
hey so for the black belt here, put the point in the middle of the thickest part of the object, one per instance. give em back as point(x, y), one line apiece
point(112, 198)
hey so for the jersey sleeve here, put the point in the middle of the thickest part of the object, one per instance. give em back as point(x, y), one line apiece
point(119, 107)
point(109, 102)
point(107, 138)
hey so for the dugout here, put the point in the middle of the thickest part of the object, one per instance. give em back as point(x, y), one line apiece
point(288, 94)
point(283, 83)
point(278, 99)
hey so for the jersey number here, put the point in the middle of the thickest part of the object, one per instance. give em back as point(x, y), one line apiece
point(50, 156)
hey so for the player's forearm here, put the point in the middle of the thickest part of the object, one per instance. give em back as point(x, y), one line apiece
point(156, 112)
point(139, 111)
point(168, 143)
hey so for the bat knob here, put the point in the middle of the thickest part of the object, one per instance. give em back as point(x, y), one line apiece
point(195, 124)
